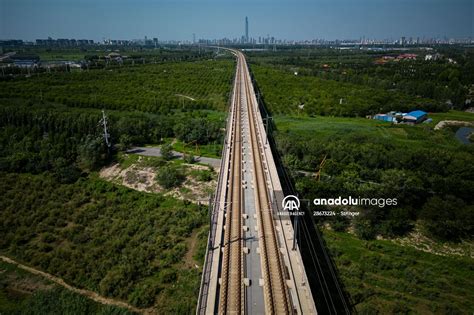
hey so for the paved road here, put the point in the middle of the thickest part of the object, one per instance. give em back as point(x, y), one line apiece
point(155, 151)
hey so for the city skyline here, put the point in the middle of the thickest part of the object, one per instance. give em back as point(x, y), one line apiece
point(298, 20)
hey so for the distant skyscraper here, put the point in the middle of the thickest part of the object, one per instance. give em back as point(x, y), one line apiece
point(246, 29)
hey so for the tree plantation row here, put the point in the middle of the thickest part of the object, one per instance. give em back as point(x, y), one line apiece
point(357, 83)
point(40, 138)
point(95, 235)
point(153, 88)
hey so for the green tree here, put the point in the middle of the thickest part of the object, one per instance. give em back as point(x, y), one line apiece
point(189, 158)
point(90, 153)
point(125, 142)
point(447, 218)
point(64, 171)
point(167, 151)
point(170, 177)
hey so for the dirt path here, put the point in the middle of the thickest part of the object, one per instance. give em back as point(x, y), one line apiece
point(191, 244)
point(90, 294)
point(185, 96)
point(459, 123)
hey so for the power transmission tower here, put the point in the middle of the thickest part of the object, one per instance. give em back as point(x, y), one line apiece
point(103, 121)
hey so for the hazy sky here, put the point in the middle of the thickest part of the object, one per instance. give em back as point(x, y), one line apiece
point(295, 19)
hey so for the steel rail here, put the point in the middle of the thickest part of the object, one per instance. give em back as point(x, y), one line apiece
point(275, 289)
point(231, 289)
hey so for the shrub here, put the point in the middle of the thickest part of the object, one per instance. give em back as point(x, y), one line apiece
point(166, 151)
point(189, 158)
point(447, 218)
point(204, 175)
point(169, 177)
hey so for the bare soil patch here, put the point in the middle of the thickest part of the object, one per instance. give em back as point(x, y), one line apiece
point(143, 178)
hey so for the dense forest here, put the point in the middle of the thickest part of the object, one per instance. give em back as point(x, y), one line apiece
point(67, 140)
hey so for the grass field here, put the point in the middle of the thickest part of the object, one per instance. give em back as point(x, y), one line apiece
point(206, 150)
point(452, 115)
point(386, 278)
point(328, 128)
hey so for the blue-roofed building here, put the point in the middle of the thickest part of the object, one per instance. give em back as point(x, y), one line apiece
point(385, 117)
point(415, 117)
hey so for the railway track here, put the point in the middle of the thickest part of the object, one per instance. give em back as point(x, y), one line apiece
point(232, 285)
point(252, 265)
point(231, 292)
point(275, 288)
